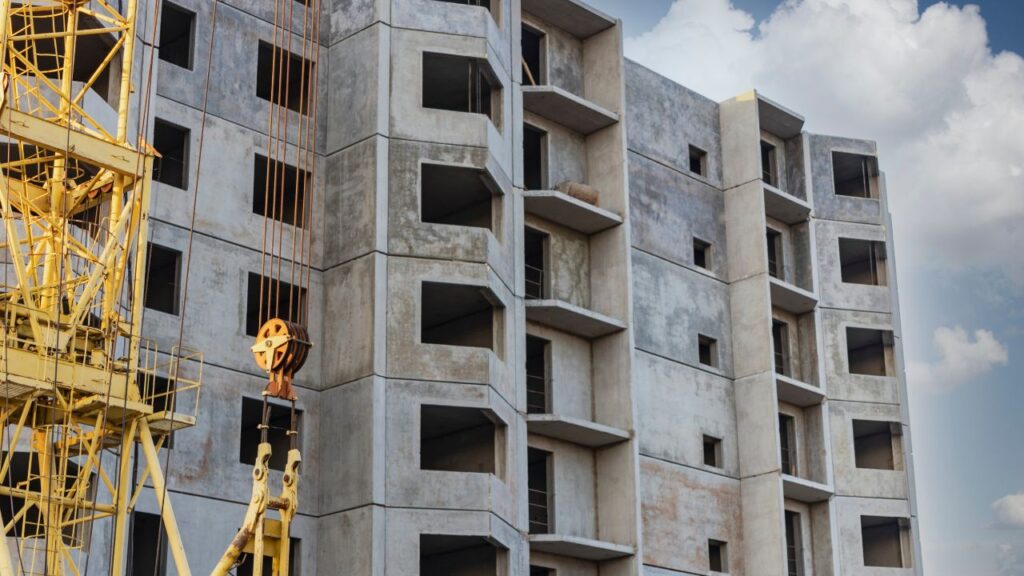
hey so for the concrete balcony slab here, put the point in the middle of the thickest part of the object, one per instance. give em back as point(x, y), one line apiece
point(791, 298)
point(572, 319)
point(567, 109)
point(563, 209)
point(577, 547)
point(798, 393)
point(575, 430)
point(805, 490)
point(572, 16)
point(785, 207)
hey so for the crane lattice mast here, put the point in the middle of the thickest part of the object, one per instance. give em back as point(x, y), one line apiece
point(79, 388)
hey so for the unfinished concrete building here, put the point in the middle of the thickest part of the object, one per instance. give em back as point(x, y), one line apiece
point(570, 317)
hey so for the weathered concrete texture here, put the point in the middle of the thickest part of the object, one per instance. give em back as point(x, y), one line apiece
point(834, 292)
point(850, 543)
point(863, 482)
point(561, 57)
point(842, 385)
point(665, 119)
point(670, 209)
point(673, 306)
point(459, 20)
point(355, 221)
point(683, 508)
point(358, 75)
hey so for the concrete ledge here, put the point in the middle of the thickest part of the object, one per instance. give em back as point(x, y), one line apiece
point(563, 209)
point(570, 15)
point(798, 393)
point(785, 207)
point(805, 490)
point(577, 547)
point(572, 319)
point(791, 298)
point(575, 430)
point(567, 109)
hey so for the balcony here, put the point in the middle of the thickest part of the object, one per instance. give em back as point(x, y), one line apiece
point(570, 15)
point(785, 207)
point(791, 298)
point(578, 547)
point(572, 319)
point(575, 430)
point(567, 109)
point(567, 211)
point(798, 393)
point(804, 490)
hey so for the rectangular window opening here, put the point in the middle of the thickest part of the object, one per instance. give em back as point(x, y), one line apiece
point(707, 350)
point(794, 545)
point(148, 554)
point(775, 254)
point(172, 142)
point(712, 451)
point(460, 84)
point(701, 254)
point(862, 261)
point(284, 78)
point(536, 247)
point(458, 315)
point(769, 169)
point(718, 556)
point(874, 444)
point(780, 347)
point(280, 300)
point(698, 161)
point(855, 175)
point(787, 444)
point(539, 480)
point(538, 380)
point(533, 57)
point(534, 151)
point(456, 196)
point(458, 439)
point(541, 571)
point(279, 423)
point(443, 555)
point(867, 351)
point(883, 540)
point(286, 200)
point(163, 273)
point(177, 33)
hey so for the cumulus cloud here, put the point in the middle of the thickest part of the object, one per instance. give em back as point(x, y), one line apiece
point(948, 113)
point(1009, 511)
point(962, 359)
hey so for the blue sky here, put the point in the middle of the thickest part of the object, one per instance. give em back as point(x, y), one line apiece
point(933, 85)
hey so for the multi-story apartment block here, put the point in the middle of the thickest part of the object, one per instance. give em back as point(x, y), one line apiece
point(570, 317)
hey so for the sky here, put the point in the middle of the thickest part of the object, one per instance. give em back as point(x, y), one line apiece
point(940, 86)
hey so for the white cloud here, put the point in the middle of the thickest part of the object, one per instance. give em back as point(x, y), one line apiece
point(947, 113)
point(962, 360)
point(1009, 511)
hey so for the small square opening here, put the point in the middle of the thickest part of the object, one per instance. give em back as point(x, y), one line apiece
point(148, 545)
point(458, 439)
point(718, 556)
point(883, 540)
point(458, 315)
point(442, 555)
point(172, 142)
point(855, 175)
point(698, 161)
point(868, 351)
point(712, 451)
point(701, 254)
point(862, 261)
point(280, 300)
point(279, 423)
point(177, 32)
point(874, 444)
point(534, 151)
point(707, 350)
point(541, 571)
point(284, 78)
point(461, 84)
point(457, 196)
point(286, 200)
point(162, 278)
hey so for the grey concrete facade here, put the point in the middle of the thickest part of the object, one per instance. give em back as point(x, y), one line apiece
point(425, 448)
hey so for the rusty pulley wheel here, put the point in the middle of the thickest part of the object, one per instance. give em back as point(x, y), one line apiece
point(281, 349)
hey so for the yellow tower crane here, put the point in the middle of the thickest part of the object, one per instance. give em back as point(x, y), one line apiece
point(79, 388)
